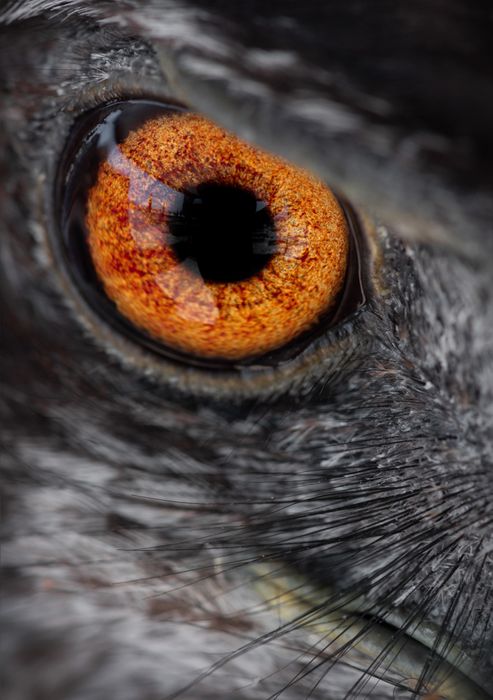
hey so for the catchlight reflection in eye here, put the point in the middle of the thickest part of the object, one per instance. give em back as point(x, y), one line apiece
point(210, 246)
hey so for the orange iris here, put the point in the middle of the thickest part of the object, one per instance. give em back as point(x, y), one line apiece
point(156, 199)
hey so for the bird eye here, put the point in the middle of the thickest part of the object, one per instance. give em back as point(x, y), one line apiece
point(196, 241)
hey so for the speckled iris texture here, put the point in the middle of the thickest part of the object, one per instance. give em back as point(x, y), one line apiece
point(129, 239)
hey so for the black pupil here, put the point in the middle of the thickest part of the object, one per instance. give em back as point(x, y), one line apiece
point(225, 230)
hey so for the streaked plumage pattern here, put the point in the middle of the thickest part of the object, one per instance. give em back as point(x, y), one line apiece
point(136, 514)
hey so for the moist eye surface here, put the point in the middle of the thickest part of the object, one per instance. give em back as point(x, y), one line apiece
point(195, 242)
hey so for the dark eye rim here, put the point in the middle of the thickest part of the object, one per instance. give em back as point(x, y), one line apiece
point(354, 296)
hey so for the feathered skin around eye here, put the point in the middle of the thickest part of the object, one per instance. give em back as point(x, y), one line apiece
point(131, 512)
point(130, 241)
